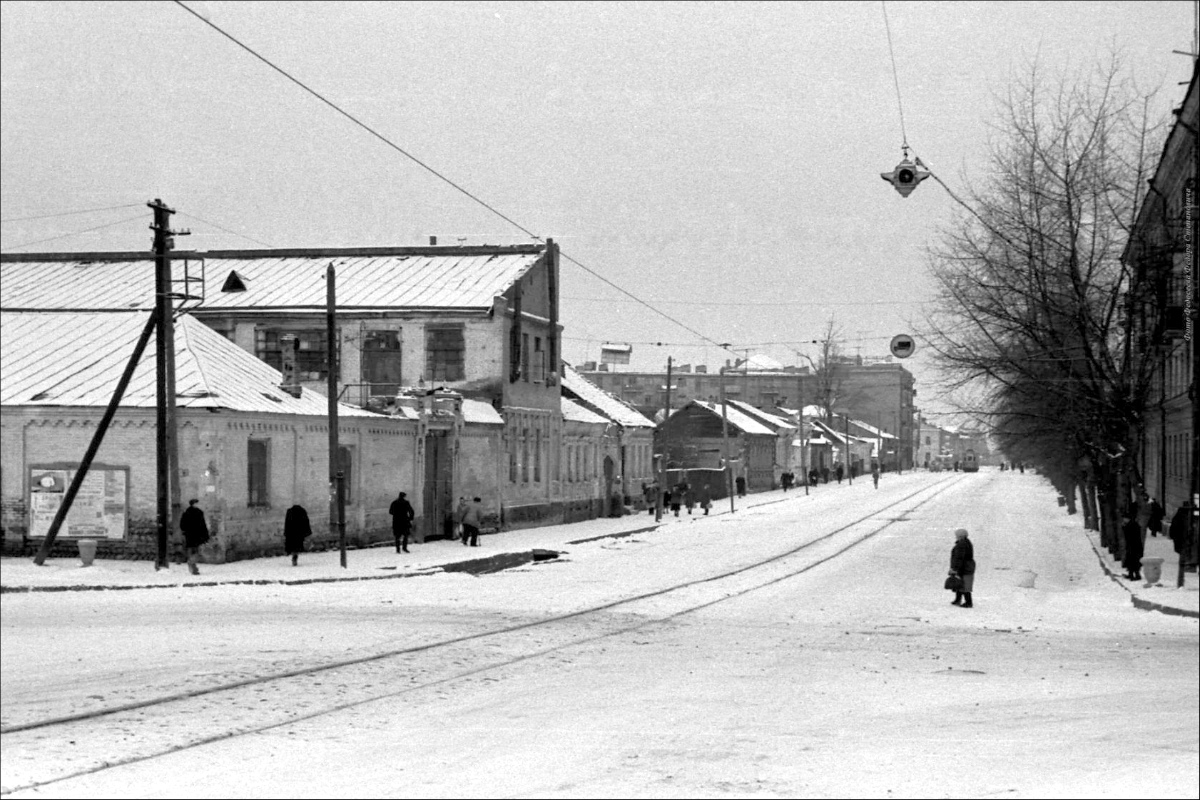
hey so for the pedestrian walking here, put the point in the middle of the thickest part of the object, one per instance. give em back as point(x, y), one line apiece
point(296, 529)
point(1181, 534)
point(875, 474)
point(195, 533)
point(402, 521)
point(962, 564)
point(741, 486)
point(676, 498)
point(840, 471)
point(705, 499)
point(1155, 523)
point(470, 523)
point(1143, 512)
point(650, 493)
point(689, 502)
point(1134, 547)
point(460, 511)
point(813, 477)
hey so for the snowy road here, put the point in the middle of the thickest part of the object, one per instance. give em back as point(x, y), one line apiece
point(803, 647)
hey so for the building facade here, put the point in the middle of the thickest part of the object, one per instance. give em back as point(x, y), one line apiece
point(1162, 254)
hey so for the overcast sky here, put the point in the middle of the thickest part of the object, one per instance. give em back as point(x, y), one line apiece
point(719, 161)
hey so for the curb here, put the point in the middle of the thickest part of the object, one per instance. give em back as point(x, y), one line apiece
point(1138, 603)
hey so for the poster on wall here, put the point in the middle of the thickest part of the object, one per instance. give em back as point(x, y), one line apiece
point(100, 509)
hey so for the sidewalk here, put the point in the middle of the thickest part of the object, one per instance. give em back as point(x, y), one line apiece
point(1163, 596)
point(379, 562)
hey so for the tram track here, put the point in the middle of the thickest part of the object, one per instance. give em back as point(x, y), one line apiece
point(263, 703)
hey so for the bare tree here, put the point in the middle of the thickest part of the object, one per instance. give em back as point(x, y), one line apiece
point(829, 369)
point(1033, 291)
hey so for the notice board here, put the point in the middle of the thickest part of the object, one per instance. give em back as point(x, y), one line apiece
point(100, 509)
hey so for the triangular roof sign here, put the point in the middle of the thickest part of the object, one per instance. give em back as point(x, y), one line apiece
point(235, 282)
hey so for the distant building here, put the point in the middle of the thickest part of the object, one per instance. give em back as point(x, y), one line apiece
point(881, 394)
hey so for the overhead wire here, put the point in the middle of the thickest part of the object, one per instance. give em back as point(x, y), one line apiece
point(438, 174)
point(895, 74)
point(77, 233)
point(71, 213)
point(222, 228)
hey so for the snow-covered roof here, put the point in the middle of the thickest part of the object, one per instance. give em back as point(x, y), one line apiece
point(76, 359)
point(376, 278)
point(602, 402)
point(773, 420)
point(573, 412)
point(477, 412)
point(743, 422)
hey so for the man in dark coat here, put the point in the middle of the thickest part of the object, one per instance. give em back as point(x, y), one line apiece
point(471, 520)
point(1180, 532)
point(195, 533)
point(962, 564)
point(296, 529)
point(1155, 519)
point(840, 471)
point(402, 520)
point(1132, 532)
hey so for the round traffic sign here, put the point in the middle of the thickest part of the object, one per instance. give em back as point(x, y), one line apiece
point(903, 346)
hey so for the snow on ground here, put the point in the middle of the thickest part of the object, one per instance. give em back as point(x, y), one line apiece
point(852, 678)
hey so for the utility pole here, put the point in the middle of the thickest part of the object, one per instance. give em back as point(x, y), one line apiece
point(337, 478)
point(725, 442)
point(800, 422)
point(849, 458)
point(667, 416)
point(166, 450)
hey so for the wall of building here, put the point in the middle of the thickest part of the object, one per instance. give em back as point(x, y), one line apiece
point(213, 464)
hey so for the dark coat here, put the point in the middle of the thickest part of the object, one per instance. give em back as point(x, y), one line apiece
point(962, 557)
point(295, 529)
point(1133, 546)
point(195, 529)
point(1156, 516)
point(402, 515)
point(1180, 537)
point(962, 561)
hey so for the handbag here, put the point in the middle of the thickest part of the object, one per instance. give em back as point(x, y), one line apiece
point(954, 583)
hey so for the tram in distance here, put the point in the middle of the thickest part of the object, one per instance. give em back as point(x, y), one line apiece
point(970, 462)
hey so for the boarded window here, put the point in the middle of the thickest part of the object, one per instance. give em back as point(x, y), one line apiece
point(312, 353)
point(381, 362)
point(258, 470)
point(445, 353)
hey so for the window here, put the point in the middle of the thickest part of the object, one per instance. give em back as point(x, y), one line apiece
point(525, 357)
point(312, 353)
point(381, 362)
point(346, 465)
point(525, 455)
point(444, 353)
point(537, 456)
point(257, 462)
point(512, 457)
point(539, 360)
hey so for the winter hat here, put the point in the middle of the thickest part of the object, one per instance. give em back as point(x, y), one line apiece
point(961, 533)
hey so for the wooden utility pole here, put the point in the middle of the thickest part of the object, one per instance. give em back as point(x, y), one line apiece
point(166, 450)
point(337, 478)
point(800, 420)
